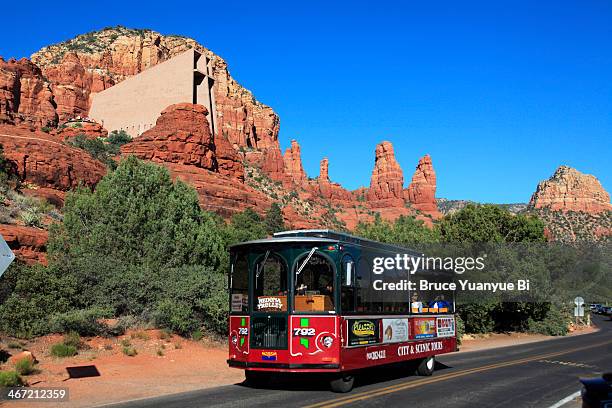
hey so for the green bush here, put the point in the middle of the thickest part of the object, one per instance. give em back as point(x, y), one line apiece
point(477, 317)
point(10, 379)
point(118, 138)
point(82, 322)
point(31, 218)
point(197, 335)
point(176, 316)
point(29, 294)
point(97, 148)
point(63, 350)
point(73, 339)
point(129, 351)
point(25, 367)
point(555, 323)
point(459, 328)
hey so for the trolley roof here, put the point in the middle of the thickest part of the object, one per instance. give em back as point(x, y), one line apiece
point(327, 236)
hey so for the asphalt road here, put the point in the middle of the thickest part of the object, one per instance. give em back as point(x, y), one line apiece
point(529, 375)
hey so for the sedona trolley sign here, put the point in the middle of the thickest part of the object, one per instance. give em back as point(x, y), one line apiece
point(299, 305)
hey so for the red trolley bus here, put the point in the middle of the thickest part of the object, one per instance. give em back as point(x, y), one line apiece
point(304, 301)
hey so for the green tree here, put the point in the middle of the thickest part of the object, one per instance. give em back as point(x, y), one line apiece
point(405, 231)
point(274, 221)
point(118, 138)
point(138, 215)
point(246, 226)
point(30, 294)
point(489, 223)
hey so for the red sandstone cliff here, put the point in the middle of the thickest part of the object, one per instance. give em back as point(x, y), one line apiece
point(570, 190)
point(293, 164)
point(58, 83)
point(95, 61)
point(25, 95)
point(422, 189)
point(181, 135)
point(181, 141)
point(29, 244)
point(387, 182)
point(43, 160)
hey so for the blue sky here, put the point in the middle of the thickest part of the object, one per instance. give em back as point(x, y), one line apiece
point(499, 93)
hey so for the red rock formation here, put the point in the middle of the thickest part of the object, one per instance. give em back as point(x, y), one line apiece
point(387, 182)
point(181, 141)
point(422, 190)
point(40, 159)
point(181, 135)
point(324, 170)
point(271, 162)
point(328, 190)
point(91, 130)
point(29, 244)
point(221, 194)
point(71, 85)
point(293, 164)
point(95, 61)
point(570, 190)
point(25, 96)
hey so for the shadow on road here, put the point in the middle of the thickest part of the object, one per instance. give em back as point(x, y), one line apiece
point(320, 382)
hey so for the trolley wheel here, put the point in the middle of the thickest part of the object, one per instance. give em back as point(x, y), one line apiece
point(342, 384)
point(256, 379)
point(426, 366)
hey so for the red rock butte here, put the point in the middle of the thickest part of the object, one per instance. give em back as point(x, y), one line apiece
point(570, 190)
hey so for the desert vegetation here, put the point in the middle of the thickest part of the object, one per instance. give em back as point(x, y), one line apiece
point(140, 250)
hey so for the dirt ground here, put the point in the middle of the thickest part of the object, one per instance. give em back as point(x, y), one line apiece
point(165, 364)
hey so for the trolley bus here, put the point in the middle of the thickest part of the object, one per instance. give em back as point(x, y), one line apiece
point(303, 302)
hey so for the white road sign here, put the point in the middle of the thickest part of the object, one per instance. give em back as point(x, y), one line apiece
point(6, 255)
point(579, 301)
point(579, 311)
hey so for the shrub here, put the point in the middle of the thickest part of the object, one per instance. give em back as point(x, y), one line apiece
point(126, 343)
point(31, 218)
point(129, 351)
point(73, 339)
point(141, 335)
point(45, 129)
point(197, 335)
point(160, 352)
point(63, 350)
point(96, 148)
point(29, 294)
point(555, 323)
point(176, 316)
point(477, 317)
point(274, 219)
point(13, 345)
point(459, 328)
point(83, 322)
point(25, 367)
point(10, 379)
point(118, 138)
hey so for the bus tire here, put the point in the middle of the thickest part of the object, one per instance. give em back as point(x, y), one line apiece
point(426, 366)
point(255, 379)
point(342, 384)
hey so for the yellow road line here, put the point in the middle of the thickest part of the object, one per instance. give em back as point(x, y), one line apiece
point(412, 384)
